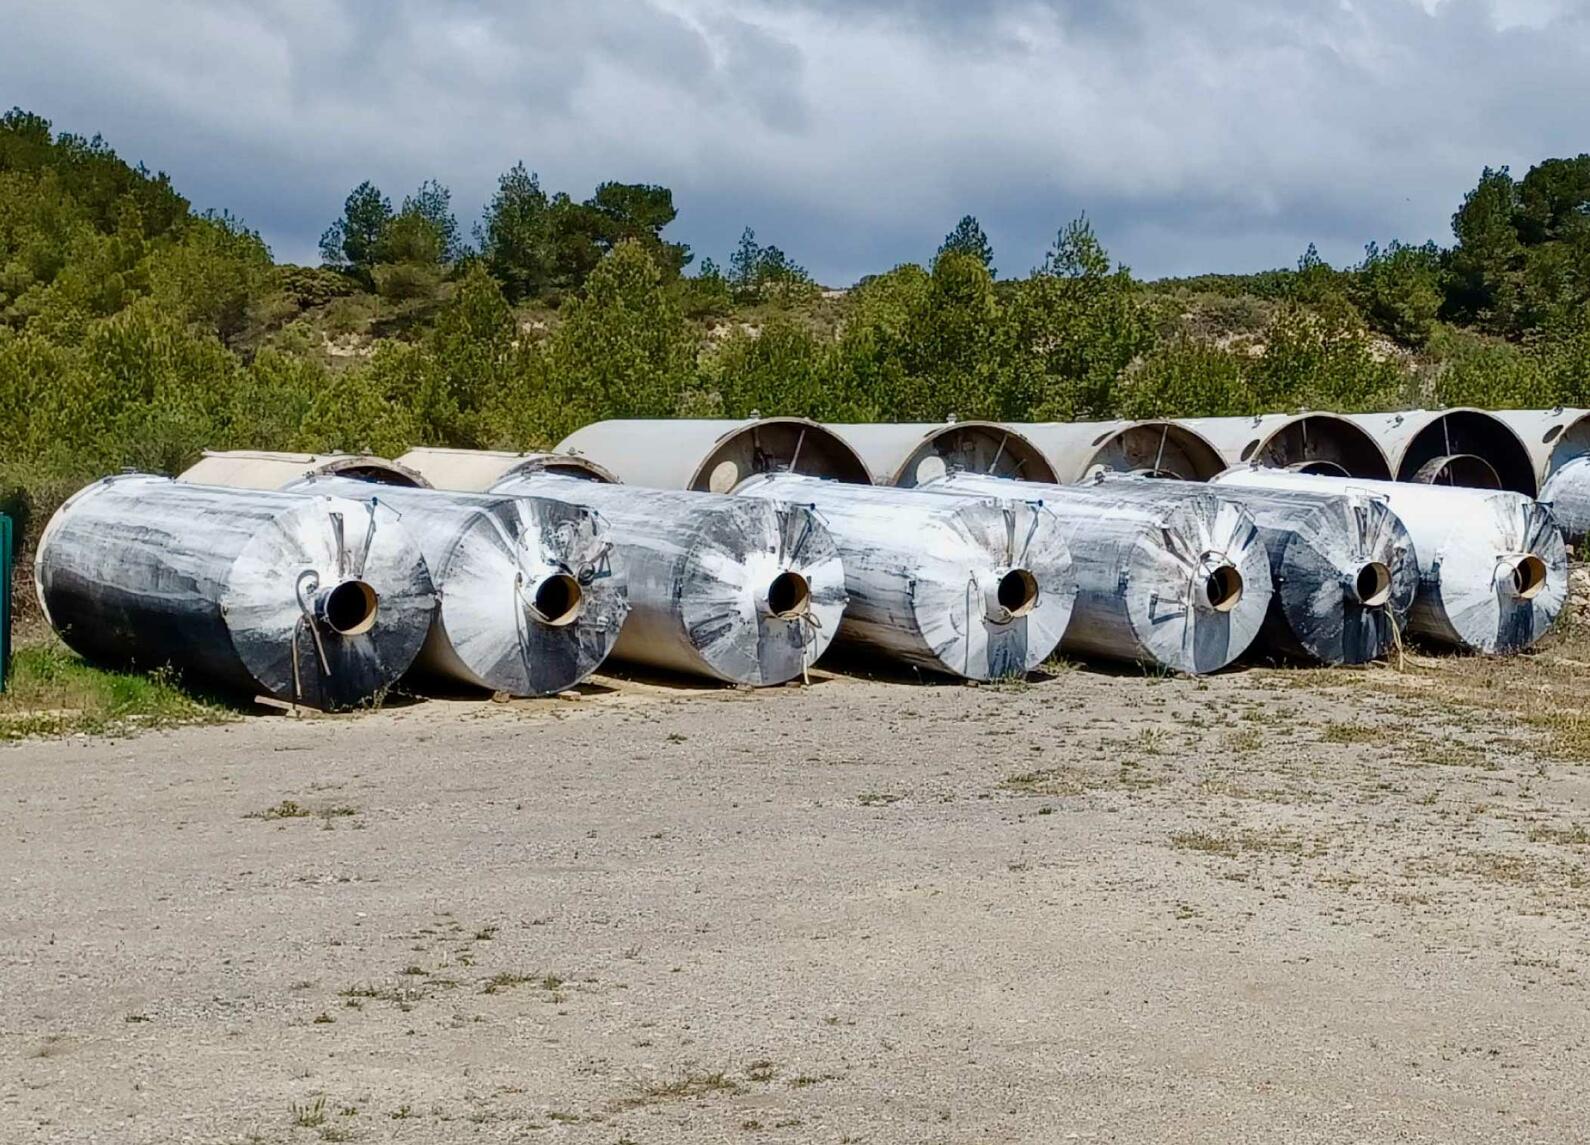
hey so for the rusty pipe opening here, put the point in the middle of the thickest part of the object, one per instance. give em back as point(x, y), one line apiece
point(1372, 585)
point(557, 600)
point(1529, 576)
point(1017, 592)
point(1223, 587)
point(348, 608)
point(789, 595)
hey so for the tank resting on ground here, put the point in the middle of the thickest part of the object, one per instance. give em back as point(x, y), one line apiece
point(1493, 570)
point(531, 603)
point(1307, 442)
point(476, 470)
point(714, 456)
point(739, 591)
point(1342, 570)
point(1080, 450)
point(910, 453)
point(1166, 576)
point(979, 587)
point(319, 601)
point(263, 469)
point(1466, 447)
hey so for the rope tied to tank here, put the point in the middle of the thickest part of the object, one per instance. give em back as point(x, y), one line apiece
point(306, 619)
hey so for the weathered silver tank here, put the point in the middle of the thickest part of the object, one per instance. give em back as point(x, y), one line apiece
point(320, 601)
point(1342, 568)
point(531, 600)
point(714, 456)
point(735, 590)
point(1306, 442)
point(979, 588)
point(910, 453)
point(1168, 575)
point(1559, 442)
point(1493, 570)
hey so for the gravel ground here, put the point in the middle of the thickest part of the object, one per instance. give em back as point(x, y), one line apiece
point(1267, 906)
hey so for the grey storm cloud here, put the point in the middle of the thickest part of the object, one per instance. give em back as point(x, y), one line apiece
point(1198, 134)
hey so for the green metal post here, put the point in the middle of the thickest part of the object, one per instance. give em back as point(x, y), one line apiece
point(5, 601)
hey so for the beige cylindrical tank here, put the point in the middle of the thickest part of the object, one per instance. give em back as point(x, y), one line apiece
point(1079, 450)
point(907, 454)
point(263, 469)
point(1469, 447)
point(1553, 437)
point(477, 470)
point(713, 456)
point(1322, 443)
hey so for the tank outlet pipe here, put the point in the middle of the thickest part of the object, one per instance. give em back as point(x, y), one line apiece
point(1168, 574)
point(532, 600)
point(1493, 569)
point(978, 588)
point(743, 592)
point(310, 599)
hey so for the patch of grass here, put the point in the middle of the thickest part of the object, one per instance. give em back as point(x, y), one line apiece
point(1054, 781)
point(1278, 842)
point(878, 798)
point(52, 691)
point(681, 1088)
point(1349, 733)
point(292, 809)
point(1575, 836)
point(310, 1115)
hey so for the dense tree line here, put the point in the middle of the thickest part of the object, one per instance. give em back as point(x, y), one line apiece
point(135, 331)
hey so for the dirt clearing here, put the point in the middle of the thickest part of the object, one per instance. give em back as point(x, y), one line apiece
point(1304, 906)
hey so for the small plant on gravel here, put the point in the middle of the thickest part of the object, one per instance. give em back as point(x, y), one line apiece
point(877, 798)
point(310, 1115)
point(286, 809)
point(680, 1088)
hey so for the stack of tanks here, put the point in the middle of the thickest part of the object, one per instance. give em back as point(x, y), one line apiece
point(739, 551)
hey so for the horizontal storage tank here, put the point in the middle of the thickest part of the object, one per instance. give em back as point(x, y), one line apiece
point(1167, 576)
point(1553, 437)
point(476, 470)
point(1466, 447)
point(911, 453)
point(1307, 442)
point(742, 591)
point(1343, 571)
point(1493, 570)
point(1079, 450)
point(319, 601)
point(260, 469)
point(714, 456)
point(531, 600)
point(978, 588)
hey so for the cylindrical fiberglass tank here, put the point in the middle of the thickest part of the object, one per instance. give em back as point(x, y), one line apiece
point(977, 588)
point(741, 591)
point(1493, 570)
point(1168, 574)
point(320, 601)
point(531, 603)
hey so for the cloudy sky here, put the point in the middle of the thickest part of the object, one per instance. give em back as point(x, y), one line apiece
point(1199, 135)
